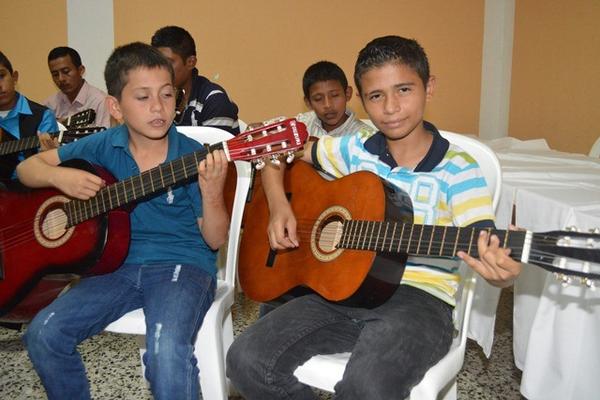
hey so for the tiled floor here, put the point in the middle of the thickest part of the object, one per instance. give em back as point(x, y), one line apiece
point(114, 372)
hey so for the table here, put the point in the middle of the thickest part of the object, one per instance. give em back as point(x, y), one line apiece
point(556, 328)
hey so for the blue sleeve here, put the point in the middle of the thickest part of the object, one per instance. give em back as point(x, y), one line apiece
point(88, 148)
point(48, 123)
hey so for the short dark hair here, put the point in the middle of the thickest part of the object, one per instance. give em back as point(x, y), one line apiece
point(392, 49)
point(6, 62)
point(177, 39)
point(131, 56)
point(322, 71)
point(64, 51)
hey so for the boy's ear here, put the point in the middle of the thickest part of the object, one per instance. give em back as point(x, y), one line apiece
point(430, 88)
point(114, 108)
point(348, 93)
point(190, 62)
point(307, 102)
point(15, 76)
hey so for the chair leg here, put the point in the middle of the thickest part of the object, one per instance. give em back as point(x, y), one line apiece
point(449, 392)
point(209, 353)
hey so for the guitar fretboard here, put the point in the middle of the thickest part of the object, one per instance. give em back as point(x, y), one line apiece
point(15, 146)
point(422, 240)
point(137, 187)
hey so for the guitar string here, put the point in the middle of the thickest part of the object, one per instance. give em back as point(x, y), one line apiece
point(54, 223)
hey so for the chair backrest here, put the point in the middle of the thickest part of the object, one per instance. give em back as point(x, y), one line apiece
point(595, 150)
point(242, 125)
point(210, 135)
point(485, 157)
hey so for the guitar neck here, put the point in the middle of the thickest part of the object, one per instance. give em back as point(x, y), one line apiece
point(422, 240)
point(137, 187)
point(15, 146)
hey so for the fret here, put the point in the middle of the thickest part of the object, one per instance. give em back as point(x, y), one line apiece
point(124, 191)
point(465, 239)
point(369, 235)
point(431, 240)
point(162, 179)
point(422, 227)
point(131, 180)
point(95, 200)
point(117, 193)
point(471, 241)
point(504, 245)
point(379, 224)
point(152, 180)
point(412, 227)
point(103, 200)
point(343, 238)
point(443, 241)
point(383, 242)
point(172, 172)
point(351, 235)
point(142, 183)
point(393, 234)
point(401, 236)
point(456, 242)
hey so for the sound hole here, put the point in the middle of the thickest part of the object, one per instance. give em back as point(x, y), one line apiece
point(50, 226)
point(54, 224)
point(330, 234)
point(327, 232)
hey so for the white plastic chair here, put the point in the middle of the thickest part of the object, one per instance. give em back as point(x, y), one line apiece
point(216, 334)
point(440, 380)
point(595, 150)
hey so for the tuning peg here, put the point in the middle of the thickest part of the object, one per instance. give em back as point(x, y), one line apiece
point(275, 160)
point(259, 164)
point(564, 280)
point(587, 282)
point(290, 157)
point(571, 229)
point(595, 230)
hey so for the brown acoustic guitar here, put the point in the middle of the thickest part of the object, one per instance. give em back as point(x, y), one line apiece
point(353, 242)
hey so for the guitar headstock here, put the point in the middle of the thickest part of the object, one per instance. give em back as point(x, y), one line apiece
point(80, 119)
point(73, 134)
point(270, 141)
point(571, 255)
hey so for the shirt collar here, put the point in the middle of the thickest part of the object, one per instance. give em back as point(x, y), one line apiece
point(121, 139)
point(377, 145)
point(21, 107)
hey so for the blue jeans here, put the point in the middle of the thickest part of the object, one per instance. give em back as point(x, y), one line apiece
point(175, 299)
point(392, 346)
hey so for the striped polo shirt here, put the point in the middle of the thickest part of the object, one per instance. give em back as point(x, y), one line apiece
point(446, 188)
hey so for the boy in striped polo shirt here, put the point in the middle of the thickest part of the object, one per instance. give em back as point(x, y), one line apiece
point(392, 345)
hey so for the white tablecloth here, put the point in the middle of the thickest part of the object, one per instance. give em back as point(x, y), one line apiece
point(556, 328)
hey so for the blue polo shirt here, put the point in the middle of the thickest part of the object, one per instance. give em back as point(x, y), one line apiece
point(10, 123)
point(164, 226)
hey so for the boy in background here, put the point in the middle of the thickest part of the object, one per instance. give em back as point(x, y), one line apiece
point(392, 345)
point(75, 94)
point(326, 93)
point(170, 267)
point(19, 118)
point(200, 101)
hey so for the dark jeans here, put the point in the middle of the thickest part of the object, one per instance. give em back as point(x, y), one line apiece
point(392, 346)
point(175, 299)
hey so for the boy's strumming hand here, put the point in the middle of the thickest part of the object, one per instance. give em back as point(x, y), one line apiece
point(282, 227)
point(494, 264)
point(77, 183)
point(212, 173)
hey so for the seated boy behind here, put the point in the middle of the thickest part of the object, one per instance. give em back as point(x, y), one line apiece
point(170, 266)
point(326, 93)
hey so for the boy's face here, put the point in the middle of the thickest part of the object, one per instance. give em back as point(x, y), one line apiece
point(328, 100)
point(394, 97)
point(66, 76)
point(182, 68)
point(8, 81)
point(147, 104)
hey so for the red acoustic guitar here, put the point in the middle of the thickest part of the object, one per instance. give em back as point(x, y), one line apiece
point(44, 233)
point(354, 242)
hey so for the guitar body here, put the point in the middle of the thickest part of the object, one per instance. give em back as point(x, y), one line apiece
point(37, 250)
point(351, 276)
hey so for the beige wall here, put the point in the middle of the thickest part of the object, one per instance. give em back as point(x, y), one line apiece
point(29, 30)
point(258, 50)
point(555, 75)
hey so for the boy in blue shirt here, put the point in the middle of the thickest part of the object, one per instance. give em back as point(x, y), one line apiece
point(170, 268)
point(19, 118)
point(392, 345)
